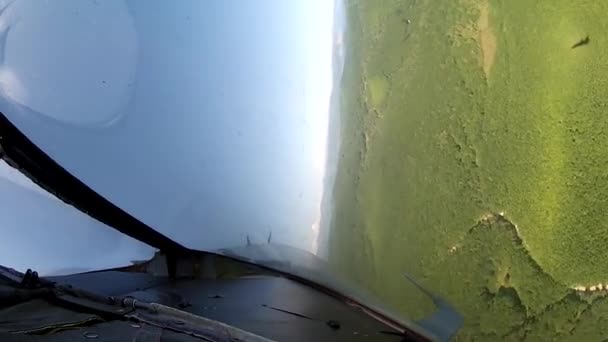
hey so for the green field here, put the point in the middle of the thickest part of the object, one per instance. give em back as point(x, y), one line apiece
point(474, 156)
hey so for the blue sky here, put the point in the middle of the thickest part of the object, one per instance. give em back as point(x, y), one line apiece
point(42, 233)
point(207, 120)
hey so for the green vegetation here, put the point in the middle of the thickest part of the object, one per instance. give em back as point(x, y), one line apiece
point(453, 112)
